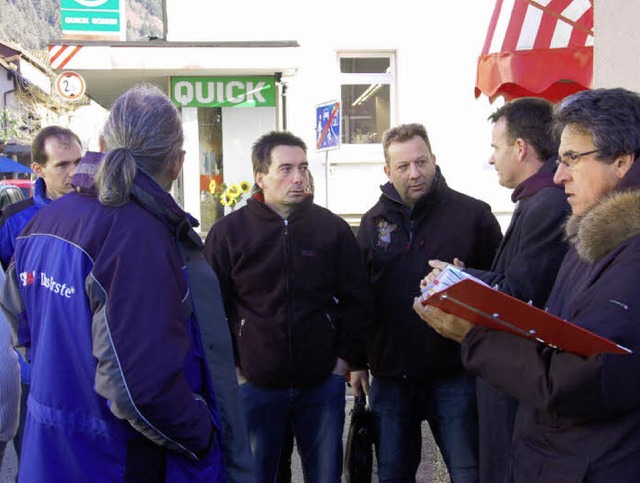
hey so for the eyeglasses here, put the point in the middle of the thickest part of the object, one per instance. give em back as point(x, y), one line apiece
point(570, 160)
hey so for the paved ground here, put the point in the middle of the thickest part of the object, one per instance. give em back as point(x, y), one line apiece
point(9, 465)
point(432, 468)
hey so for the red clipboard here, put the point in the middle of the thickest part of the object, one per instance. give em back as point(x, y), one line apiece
point(485, 306)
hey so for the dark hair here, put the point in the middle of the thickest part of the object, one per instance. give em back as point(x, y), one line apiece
point(531, 119)
point(143, 129)
point(403, 133)
point(62, 134)
point(610, 116)
point(261, 150)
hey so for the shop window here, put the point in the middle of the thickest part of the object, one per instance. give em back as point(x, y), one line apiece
point(367, 88)
point(211, 167)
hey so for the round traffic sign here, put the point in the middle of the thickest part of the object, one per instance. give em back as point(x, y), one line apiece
point(70, 85)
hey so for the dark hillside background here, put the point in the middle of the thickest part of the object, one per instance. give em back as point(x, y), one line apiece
point(33, 24)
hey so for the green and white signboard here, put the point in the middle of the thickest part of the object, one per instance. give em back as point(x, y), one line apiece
point(223, 91)
point(93, 17)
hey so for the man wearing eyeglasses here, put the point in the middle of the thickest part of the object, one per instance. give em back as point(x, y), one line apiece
point(525, 267)
point(579, 416)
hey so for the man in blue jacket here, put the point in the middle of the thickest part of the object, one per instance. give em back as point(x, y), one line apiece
point(121, 390)
point(525, 267)
point(55, 153)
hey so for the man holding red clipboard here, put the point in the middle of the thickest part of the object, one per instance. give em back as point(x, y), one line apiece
point(578, 417)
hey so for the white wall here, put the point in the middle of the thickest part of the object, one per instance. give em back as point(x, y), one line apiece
point(437, 46)
point(191, 166)
point(616, 60)
point(6, 90)
point(240, 128)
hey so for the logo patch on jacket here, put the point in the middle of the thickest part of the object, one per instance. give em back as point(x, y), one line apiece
point(27, 278)
point(48, 282)
point(384, 233)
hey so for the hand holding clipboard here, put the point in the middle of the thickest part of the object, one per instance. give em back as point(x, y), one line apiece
point(458, 293)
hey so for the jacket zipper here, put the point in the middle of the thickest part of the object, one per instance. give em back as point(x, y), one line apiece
point(412, 226)
point(288, 288)
point(331, 324)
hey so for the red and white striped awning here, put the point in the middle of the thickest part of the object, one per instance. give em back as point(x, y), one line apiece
point(540, 48)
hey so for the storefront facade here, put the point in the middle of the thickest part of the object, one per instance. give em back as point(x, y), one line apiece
point(224, 109)
point(215, 55)
point(222, 116)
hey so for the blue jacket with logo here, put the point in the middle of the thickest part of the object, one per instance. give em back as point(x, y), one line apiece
point(120, 387)
point(14, 218)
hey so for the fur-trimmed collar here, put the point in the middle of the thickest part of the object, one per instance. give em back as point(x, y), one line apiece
point(612, 221)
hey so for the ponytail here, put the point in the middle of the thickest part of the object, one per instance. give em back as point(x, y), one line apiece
point(115, 176)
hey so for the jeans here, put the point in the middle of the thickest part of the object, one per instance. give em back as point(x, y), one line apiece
point(284, 464)
point(317, 417)
point(449, 406)
point(497, 415)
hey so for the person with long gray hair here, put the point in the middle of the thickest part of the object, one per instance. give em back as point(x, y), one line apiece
point(115, 263)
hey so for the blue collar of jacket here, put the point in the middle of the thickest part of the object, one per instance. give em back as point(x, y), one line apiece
point(155, 199)
point(146, 192)
point(40, 193)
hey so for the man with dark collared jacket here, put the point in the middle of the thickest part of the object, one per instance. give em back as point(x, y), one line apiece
point(297, 300)
point(417, 374)
point(524, 155)
point(578, 416)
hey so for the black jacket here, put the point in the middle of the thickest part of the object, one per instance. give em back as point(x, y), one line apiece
point(398, 242)
point(525, 267)
point(579, 418)
point(532, 250)
point(295, 291)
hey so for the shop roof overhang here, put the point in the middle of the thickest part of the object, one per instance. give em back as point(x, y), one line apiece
point(110, 68)
point(549, 73)
point(535, 48)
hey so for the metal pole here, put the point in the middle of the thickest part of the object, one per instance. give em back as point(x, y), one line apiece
point(326, 174)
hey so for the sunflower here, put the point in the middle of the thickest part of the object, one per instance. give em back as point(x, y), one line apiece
point(213, 186)
point(234, 190)
point(227, 200)
point(245, 186)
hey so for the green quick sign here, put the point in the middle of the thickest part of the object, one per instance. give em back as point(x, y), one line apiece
point(99, 16)
point(223, 91)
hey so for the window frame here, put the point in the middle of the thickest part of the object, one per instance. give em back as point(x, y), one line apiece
point(364, 78)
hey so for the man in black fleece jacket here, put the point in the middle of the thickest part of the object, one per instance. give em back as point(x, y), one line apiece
point(297, 300)
point(417, 373)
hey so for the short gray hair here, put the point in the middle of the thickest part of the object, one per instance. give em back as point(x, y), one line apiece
point(143, 129)
point(610, 116)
